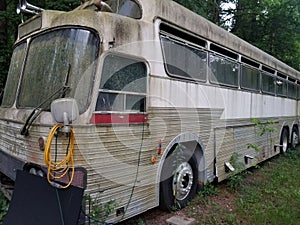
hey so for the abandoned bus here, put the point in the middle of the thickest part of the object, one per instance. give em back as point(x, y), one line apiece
point(153, 99)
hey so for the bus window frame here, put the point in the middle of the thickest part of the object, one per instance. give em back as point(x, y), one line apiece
point(29, 41)
point(228, 59)
point(242, 65)
point(182, 42)
point(138, 59)
point(278, 79)
point(262, 73)
point(296, 86)
point(16, 94)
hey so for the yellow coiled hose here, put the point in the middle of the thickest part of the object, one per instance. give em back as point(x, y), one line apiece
point(57, 170)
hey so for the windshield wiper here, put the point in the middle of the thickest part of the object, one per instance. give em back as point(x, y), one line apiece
point(38, 110)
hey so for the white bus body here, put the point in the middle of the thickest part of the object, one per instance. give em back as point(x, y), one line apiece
point(149, 78)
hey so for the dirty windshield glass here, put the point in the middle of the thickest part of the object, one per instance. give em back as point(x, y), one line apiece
point(58, 58)
point(14, 75)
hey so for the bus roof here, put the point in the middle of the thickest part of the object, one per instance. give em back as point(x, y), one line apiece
point(176, 14)
point(171, 13)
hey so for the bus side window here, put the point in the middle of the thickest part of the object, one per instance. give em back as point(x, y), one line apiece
point(292, 90)
point(267, 83)
point(223, 70)
point(123, 85)
point(250, 78)
point(281, 87)
point(184, 61)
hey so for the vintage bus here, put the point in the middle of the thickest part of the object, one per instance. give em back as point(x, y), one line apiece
point(156, 100)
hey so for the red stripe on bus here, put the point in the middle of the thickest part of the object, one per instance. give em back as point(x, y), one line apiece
point(118, 118)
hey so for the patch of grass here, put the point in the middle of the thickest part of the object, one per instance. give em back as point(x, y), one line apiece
point(208, 190)
point(273, 199)
point(268, 195)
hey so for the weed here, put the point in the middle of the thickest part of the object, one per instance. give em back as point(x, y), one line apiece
point(99, 212)
point(236, 177)
point(141, 222)
point(230, 219)
point(208, 190)
point(253, 146)
point(3, 206)
point(267, 127)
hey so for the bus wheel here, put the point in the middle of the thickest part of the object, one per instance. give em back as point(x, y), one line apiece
point(284, 140)
point(178, 182)
point(294, 138)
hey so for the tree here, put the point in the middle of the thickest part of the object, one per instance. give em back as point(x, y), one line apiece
point(9, 21)
point(3, 41)
point(206, 8)
point(271, 25)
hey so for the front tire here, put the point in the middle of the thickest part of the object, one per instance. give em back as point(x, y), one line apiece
point(178, 182)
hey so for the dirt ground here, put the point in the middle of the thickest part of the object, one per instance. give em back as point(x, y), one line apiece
point(224, 200)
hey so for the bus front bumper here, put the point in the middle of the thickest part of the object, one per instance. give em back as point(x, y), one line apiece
point(9, 165)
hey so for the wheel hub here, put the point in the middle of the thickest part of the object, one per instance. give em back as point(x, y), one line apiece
point(182, 181)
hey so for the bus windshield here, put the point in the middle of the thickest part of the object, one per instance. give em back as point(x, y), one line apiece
point(57, 58)
point(14, 75)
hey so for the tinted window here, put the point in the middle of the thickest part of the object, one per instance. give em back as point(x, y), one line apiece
point(14, 75)
point(267, 83)
point(123, 85)
point(281, 87)
point(223, 70)
point(292, 90)
point(182, 60)
point(250, 78)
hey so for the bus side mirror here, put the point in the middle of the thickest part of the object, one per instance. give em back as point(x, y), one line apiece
point(64, 110)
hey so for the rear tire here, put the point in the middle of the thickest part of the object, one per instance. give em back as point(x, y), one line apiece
point(284, 140)
point(178, 182)
point(294, 137)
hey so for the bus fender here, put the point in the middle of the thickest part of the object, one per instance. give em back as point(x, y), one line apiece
point(187, 139)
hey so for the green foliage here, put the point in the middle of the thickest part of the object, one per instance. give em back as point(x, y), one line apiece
point(273, 198)
point(253, 146)
point(100, 211)
point(276, 25)
point(267, 127)
point(3, 206)
point(236, 177)
point(263, 128)
point(9, 21)
point(208, 190)
point(141, 222)
point(270, 195)
point(207, 8)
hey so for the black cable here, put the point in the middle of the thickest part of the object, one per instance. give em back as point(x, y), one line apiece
point(133, 187)
point(137, 171)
